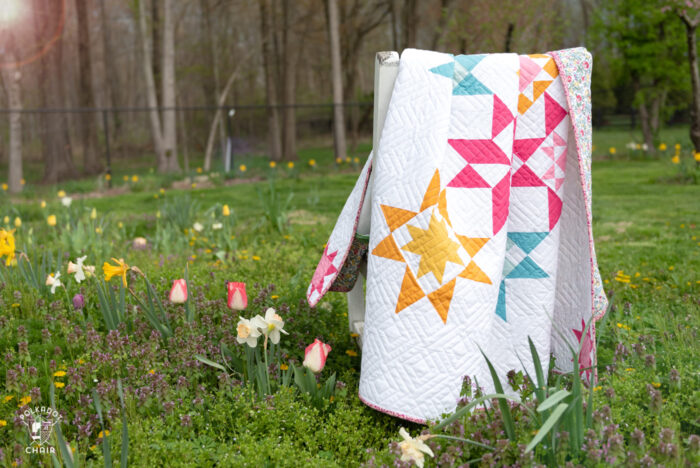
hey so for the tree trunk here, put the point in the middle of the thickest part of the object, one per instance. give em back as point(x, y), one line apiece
point(170, 162)
point(88, 129)
point(695, 81)
point(410, 23)
point(112, 89)
point(12, 78)
point(647, 131)
point(273, 120)
point(155, 44)
point(289, 130)
point(337, 79)
point(58, 158)
point(151, 97)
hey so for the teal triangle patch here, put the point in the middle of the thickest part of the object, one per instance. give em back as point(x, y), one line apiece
point(508, 266)
point(527, 269)
point(501, 305)
point(469, 61)
point(470, 86)
point(446, 70)
point(527, 240)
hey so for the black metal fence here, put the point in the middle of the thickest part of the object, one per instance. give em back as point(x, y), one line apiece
point(125, 139)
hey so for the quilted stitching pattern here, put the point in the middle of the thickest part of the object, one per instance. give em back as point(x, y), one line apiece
point(478, 158)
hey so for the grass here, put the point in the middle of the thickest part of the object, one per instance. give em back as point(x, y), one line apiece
point(648, 249)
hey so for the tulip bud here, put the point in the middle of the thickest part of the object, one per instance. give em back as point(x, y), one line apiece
point(178, 293)
point(315, 356)
point(225, 210)
point(237, 298)
point(93, 214)
point(78, 301)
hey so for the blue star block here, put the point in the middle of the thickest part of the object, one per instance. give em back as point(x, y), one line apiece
point(527, 240)
point(501, 305)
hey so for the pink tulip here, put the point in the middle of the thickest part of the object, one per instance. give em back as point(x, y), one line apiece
point(315, 356)
point(237, 298)
point(178, 293)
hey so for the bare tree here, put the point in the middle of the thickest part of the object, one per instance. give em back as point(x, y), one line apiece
point(689, 13)
point(58, 157)
point(112, 81)
point(337, 79)
point(11, 77)
point(88, 127)
point(270, 69)
point(164, 137)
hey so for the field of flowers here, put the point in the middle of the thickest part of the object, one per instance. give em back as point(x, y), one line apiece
point(168, 327)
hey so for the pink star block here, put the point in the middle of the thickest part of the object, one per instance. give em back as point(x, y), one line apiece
point(585, 359)
point(325, 267)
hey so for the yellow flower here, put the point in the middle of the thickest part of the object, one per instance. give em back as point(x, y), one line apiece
point(677, 146)
point(312, 162)
point(662, 147)
point(6, 220)
point(93, 214)
point(629, 369)
point(59, 373)
point(225, 210)
point(152, 371)
point(4, 187)
point(612, 150)
point(356, 160)
point(194, 185)
point(42, 204)
point(8, 398)
point(656, 384)
point(676, 159)
point(18, 221)
point(338, 160)
point(242, 168)
point(22, 181)
point(59, 384)
point(696, 156)
point(15, 304)
point(51, 220)
point(351, 353)
point(25, 400)
point(598, 388)
point(120, 225)
point(7, 245)
point(290, 165)
point(126, 178)
point(61, 193)
point(162, 191)
point(256, 258)
point(199, 170)
point(284, 367)
point(354, 335)
point(158, 214)
point(98, 230)
point(3, 423)
point(102, 434)
point(119, 270)
point(108, 177)
point(134, 178)
point(671, 268)
point(273, 164)
point(274, 296)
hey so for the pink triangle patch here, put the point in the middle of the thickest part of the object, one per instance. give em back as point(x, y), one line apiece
point(549, 174)
point(559, 141)
point(468, 178)
point(561, 162)
point(480, 151)
point(555, 205)
point(558, 183)
point(525, 147)
point(528, 71)
point(501, 116)
point(500, 196)
point(524, 177)
point(553, 113)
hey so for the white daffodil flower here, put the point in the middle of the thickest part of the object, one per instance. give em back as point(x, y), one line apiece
point(77, 269)
point(271, 325)
point(54, 281)
point(414, 450)
point(247, 333)
point(66, 201)
point(198, 227)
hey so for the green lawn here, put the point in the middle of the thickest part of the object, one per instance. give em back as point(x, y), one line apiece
point(183, 413)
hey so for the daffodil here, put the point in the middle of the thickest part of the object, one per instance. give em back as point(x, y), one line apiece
point(51, 220)
point(662, 147)
point(273, 164)
point(198, 227)
point(18, 222)
point(676, 159)
point(61, 193)
point(225, 210)
point(53, 280)
point(77, 269)
point(115, 270)
point(4, 187)
point(312, 162)
point(7, 245)
point(6, 220)
point(108, 177)
point(271, 325)
point(414, 450)
point(612, 150)
point(247, 333)
point(93, 214)
point(242, 168)
point(66, 201)
point(217, 226)
point(42, 204)
point(696, 156)
point(134, 178)
point(290, 165)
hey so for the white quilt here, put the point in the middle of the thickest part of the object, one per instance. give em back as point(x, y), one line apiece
point(480, 227)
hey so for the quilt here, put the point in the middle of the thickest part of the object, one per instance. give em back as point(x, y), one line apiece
point(479, 197)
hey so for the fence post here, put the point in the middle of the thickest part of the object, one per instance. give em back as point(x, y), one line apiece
point(105, 122)
point(228, 157)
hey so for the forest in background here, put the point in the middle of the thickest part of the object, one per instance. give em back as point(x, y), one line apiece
point(160, 75)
